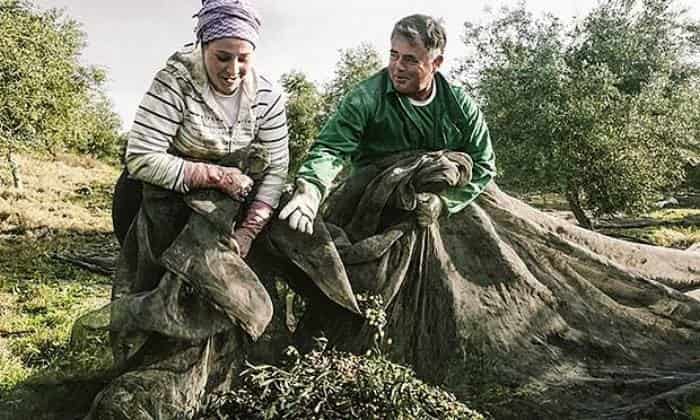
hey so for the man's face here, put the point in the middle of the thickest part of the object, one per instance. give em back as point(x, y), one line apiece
point(227, 61)
point(411, 67)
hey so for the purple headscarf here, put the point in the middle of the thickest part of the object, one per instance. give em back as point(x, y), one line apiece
point(228, 18)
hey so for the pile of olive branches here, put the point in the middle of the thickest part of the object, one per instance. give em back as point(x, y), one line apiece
point(328, 384)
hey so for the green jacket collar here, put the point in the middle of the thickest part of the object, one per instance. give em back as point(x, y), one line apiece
point(440, 81)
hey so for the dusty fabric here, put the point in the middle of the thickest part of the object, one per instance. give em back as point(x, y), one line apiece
point(173, 379)
point(185, 307)
point(572, 323)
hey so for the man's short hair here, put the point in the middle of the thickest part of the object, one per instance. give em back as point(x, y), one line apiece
point(429, 30)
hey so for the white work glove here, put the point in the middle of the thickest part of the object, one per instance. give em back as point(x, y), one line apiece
point(428, 208)
point(302, 208)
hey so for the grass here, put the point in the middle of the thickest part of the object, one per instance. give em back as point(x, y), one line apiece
point(673, 215)
point(63, 208)
point(676, 237)
point(667, 234)
point(61, 195)
point(671, 233)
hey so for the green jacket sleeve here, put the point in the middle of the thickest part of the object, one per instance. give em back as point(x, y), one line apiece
point(337, 142)
point(476, 143)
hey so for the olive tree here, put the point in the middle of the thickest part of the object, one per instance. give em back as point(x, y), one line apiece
point(304, 106)
point(599, 112)
point(354, 65)
point(48, 99)
point(309, 107)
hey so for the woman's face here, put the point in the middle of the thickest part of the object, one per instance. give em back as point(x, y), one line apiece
point(227, 61)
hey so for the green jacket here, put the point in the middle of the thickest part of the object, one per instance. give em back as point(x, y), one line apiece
point(374, 121)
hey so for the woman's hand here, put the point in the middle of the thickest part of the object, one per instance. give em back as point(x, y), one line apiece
point(258, 215)
point(230, 181)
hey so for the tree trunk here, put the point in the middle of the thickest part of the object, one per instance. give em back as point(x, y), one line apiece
point(572, 196)
point(14, 170)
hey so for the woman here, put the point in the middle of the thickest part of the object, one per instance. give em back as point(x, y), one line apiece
point(207, 102)
point(184, 304)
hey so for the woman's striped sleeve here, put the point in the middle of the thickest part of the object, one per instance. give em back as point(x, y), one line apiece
point(157, 121)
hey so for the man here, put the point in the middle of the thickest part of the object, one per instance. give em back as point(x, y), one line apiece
point(407, 106)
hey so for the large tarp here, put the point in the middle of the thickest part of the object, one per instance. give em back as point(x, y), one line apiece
point(185, 307)
point(569, 322)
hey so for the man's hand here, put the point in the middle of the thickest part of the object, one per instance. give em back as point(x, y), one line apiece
point(302, 208)
point(428, 208)
point(230, 181)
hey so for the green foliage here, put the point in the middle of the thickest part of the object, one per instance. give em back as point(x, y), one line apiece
point(638, 40)
point(308, 109)
point(98, 135)
point(304, 106)
point(353, 66)
point(331, 384)
point(517, 70)
point(47, 98)
point(372, 307)
point(603, 113)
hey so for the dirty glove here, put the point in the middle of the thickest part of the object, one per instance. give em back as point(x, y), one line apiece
point(259, 213)
point(230, 181)
point(428, 208)
point(302, 208)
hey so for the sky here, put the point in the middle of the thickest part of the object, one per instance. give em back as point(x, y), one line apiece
point(131, 39)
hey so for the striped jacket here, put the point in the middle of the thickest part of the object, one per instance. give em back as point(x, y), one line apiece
point(179, 117)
